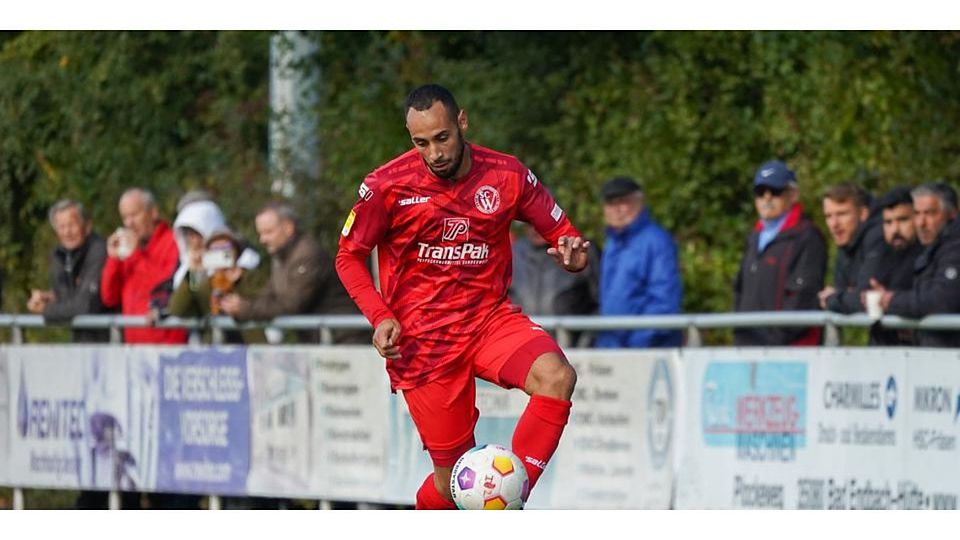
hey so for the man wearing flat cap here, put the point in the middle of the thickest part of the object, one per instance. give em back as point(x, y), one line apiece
point(639, 274)
point(784, 261)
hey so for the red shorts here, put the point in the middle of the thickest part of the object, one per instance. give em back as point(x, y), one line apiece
point(444, 409)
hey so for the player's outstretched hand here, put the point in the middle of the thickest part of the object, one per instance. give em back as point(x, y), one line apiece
point(570, 253)
point(386, 338)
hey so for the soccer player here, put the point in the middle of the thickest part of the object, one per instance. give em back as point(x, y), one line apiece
point(440, 216)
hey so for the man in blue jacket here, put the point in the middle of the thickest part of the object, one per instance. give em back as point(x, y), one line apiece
point(639, 274)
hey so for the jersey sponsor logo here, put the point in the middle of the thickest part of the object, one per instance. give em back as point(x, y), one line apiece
point(467, 254)
point(413, 200)
point(454, 228)
point(365, 193)
point(347, 225)
point(532, 178)
point(557, 212)
point(487, 199)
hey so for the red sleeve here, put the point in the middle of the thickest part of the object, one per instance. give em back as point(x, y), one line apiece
point(537, 207)
point(111, 282)
point(364, 228)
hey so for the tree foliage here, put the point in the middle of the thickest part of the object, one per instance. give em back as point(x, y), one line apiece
point(689, 114)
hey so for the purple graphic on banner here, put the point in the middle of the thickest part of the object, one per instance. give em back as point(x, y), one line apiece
point(204, 422)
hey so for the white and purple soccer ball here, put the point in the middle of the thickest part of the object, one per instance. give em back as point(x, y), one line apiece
point(489, 477)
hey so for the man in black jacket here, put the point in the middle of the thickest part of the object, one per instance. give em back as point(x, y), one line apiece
point(892, 265)
point(858, 236)
point(936, 288)
point(784, 260)
point(75, 267)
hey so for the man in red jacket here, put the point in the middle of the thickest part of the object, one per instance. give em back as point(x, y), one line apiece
point(140, 257)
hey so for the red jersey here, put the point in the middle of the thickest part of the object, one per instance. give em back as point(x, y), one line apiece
point(444, 252)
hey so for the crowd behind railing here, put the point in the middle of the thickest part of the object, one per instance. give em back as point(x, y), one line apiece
point(898, 259)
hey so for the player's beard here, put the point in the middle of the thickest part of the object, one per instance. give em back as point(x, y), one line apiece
point(455, 164)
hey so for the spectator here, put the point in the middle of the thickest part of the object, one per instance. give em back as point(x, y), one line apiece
point(639, 274)
point(197, 217)
point(935, 287)
point(302, 278)
point(540, 287)
point(195, 221)
point(213, 272)
point(784, 260)
point(76, 265)
point(141, 256)
point(858, 236)
point(893, 267)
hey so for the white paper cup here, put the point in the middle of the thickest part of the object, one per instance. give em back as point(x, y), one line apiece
point(874, 311)
point(124, 248)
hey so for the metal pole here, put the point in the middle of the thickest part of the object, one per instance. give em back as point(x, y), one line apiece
point(325, 505)
point(113, 500)
point(694, 339)
point(16, 335)
point(326, 335)
point(116, 336)
point(18, 499)
point(216, 335)
point(214, 502)
point(563, 337)
point(831, 336)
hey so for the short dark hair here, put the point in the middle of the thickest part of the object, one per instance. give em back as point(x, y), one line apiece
point(848, 191)
point(896, 197)
point(423, 97)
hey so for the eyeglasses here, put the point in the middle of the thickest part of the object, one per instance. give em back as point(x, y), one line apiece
point(760, 191)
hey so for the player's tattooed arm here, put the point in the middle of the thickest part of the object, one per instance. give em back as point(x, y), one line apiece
point(570, 253)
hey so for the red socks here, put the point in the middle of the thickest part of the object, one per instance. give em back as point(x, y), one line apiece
point(429, 499)
point(534, 441)
point(538, 433)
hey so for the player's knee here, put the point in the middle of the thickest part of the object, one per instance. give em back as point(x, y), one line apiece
point(553, 376)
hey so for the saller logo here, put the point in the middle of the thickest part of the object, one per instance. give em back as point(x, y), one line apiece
point(487, 199)
point(455, 227)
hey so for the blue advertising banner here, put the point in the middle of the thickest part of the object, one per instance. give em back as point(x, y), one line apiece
point(204, 444)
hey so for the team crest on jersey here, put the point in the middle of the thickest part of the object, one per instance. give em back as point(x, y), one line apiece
point(365, 193)
point(487, 199)
point(456, 227)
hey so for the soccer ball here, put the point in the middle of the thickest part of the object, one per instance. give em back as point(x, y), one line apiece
point(489, 477)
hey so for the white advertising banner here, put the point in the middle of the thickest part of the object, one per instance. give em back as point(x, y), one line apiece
point(69, 418)
point(350, 392)
point(816, 429)
point(281, 456)
point(617, 451)
point(931, 401)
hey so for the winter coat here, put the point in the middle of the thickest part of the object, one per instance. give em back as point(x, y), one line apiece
point(75, 282)
point(303, 281)
point(639, 276)
point(936, 288)
point(785, 276)
point(134, 283)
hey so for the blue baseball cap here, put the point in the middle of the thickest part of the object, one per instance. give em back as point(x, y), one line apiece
point(775, 174)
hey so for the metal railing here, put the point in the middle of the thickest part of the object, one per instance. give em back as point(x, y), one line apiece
point(691, 323)
point(563, 326)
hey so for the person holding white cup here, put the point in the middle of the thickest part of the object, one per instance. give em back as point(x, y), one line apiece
point(141, 256)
